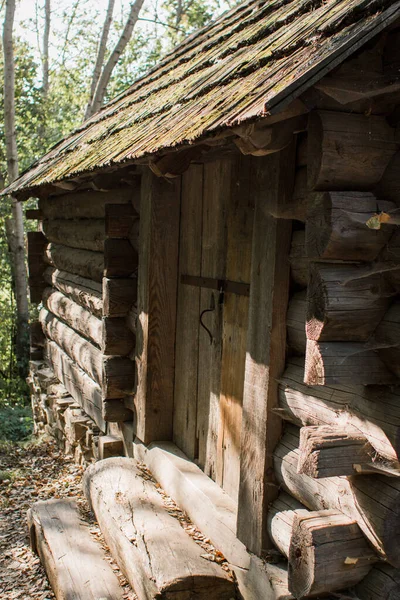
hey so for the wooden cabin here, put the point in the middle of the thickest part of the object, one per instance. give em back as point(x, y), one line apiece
point(218, 265)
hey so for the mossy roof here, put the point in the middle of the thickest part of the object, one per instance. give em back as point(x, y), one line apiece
point(249, 63)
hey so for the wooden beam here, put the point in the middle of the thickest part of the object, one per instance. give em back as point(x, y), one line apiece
point(265, 358)
point(84, 263)
point(87, 234)
point(85, 204)
point(157, 290)
point(381, 583)
point(120, 258)
point(83, 291)
point(119, 220)
point(33, 214)
point(36, 264)
point(298, 259)
point(118, 296)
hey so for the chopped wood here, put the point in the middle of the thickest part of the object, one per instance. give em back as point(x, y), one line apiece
point(82, 233)
point(298, 259)
point(337, 225)
point(370, 500)
point(342, 305)
point(381, 583)
point(110, 445)
point(329, 451)
point(87, 204)
point(120, 258)
point(75, 564)
point(348, 151)
point(119, 295)
point(296, 323)
point(328, 552)
point(120, 218)
point(374, 411)
point(346, 363)
point(79, 262)
point(85, 292)
point(156, 555)
point(74, 315)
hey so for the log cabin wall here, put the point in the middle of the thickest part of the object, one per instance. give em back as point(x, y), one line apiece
point(336, 514)
point(83, 269)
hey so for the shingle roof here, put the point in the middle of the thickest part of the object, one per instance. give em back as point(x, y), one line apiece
point(249, 63)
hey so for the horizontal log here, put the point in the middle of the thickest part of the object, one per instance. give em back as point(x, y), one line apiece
point(87, 204)
point(155, 554)
point(85, 292)
point(115, 411)
point(331, 451)
point(381, 583)
point(117, 338)
point(375, 411)
point(344, 305)
point(337, 228)
point(280, 521)
point(371, 501)
point(331, 363)
point(120, 258)
point(118, 296)
point(79, 262)
point(119, 220)
point(348, 151)
point(83, 233)
point(118, 377)
point(296, 323)
point(298, 259)
point(78, 318)
point(33, 214)
point(328, 552)
point(81, 387)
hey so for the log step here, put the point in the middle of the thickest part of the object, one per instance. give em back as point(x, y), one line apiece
point(75, 564)
point(158, 558)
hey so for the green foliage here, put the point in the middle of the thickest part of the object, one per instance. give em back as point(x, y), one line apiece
point(15, 423)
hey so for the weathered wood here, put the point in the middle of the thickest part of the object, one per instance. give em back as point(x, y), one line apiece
point(348, 151)
point(372, 501)
point(381, 583)
point(74, 315)
point(87, 204)
point(79, 262)
point(115, 411)
point(36, 335)
point(118, 377)
point(175, 163)
point(344, 305)
point(75, 564)
point(387, 333)
point(81, 387)
point(260, 139)
point(36, 244)
point(330, 363)
point(389, 185)
point(118, 296)
point(156, 306)
point(296, 323)
point(82, 233)
point(298, 259)
point(85, 292)
point(375, 411)
point(120, 258)
point(328, 552)
point(301, 150)
point(110, 445)
point(280, 520)
point(330, 451)
point(117, 338)
point(33, 214)
point(336, 226)
point(265, 358)
point(156, 555)
point(120, 219)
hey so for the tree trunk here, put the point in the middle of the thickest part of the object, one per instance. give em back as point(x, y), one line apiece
point(100, 57)
point(16, 238)
point(114, 57)
point(45, 57)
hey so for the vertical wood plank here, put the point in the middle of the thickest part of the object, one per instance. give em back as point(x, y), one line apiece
point(187, 327)
point(157, 289)
point(234, 330)
point(265, 359)
point(217, 190)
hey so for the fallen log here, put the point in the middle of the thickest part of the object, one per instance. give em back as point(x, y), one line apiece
point(63, 541)
point(381, 583)
point(348, 151)
point(344, 305)
point(159, 559)
point(74, 315)
point(82, 233)
point(328, 552)
point(118, 296)
point(375, 411)
point(344, 363)
point(296, 323)
point(337, 226)
point(88, 204)
point(298, 259)
point(372, 501)
point(85, 292)
point(85, 263)
point(330, 451)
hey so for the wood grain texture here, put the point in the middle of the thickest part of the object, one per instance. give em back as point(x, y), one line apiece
point(83, 291)
point(296, 323)
point(157, 290)
point(188, 313)
point(82, 233)
point(381, 583)
point(88, 204)
point(75, 564)
point(118, 296)
point(120, 258)
point(298, 259)
point(265, 359)
point(85, 263)
point(120, 218)
point(36, 246)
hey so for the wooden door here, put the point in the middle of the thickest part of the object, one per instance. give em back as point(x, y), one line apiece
point(215, 243)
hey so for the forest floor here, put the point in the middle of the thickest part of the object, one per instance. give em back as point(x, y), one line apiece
point(31, 472)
